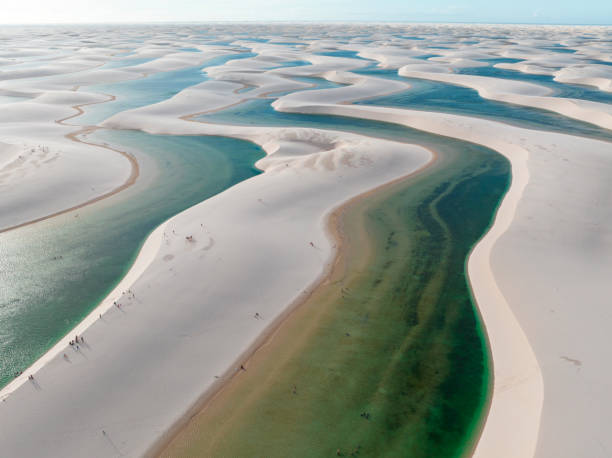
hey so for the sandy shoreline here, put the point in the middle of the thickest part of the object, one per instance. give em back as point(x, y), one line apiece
point(512, 355)
point(551, 228)
point(129, 182)
point(144, 259)
point(74, 136)
point(334, 229)
point(508, 358)
point(345, 161)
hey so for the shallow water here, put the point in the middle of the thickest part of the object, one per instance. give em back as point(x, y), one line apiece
point(61, 291)
point(427, 401)
point(559, 48)
point(423, 95)
point(342, 53)
point(434, 382)
point(395, 338)
point(472, 174)
point(447, 98)
point(56, 271)
point(316, 83)
point(123, 62)
point(564, 90)
point(145, 91)
point(291, 63)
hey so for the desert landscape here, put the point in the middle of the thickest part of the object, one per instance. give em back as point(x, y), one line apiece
point(232, 239)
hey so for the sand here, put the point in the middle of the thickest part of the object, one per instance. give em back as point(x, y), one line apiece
point(526, 94)
point(519, 408)
point(51, 171)
point(539, 276)
point(169, 295)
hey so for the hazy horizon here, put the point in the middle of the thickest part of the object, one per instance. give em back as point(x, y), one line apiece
point(542, 12)
point(281, 21)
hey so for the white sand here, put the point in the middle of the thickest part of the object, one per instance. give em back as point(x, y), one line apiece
point(55, 173)
point(566, 70)
point(531, 385)
point(187, 305)
point(51, 172)
point(539, 276)
point(599, 76)
point(521, 93)
point(50, 176)
point(178, 61)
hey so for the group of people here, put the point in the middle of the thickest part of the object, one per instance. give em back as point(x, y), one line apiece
point(130, 295)
point(74, 343)
point(80, 339)
point(18, 373)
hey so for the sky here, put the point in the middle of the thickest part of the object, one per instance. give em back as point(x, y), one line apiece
point(489, 11)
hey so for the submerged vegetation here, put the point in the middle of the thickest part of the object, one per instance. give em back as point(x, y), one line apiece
point(388, 357)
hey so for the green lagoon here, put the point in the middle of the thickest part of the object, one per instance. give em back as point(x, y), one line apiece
point(389, 359)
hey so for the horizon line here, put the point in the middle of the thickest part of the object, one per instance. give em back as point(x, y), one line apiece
point(304, 21)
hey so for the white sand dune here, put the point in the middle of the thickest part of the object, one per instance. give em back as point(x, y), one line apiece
point(571, 71)
point(178, 61)
point(187, 292)
point(539, 276)
point(70, 173)
point(528, 361)
point(51, 173)
point(68, 81)
point(521, 93)
point(391, 56)
point(599, 76)
point(222, 92)
point(54, 68)
point(55, 173)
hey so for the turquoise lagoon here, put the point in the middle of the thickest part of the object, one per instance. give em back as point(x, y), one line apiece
point(58, 270)
point(55, 272)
